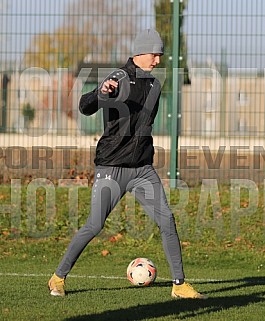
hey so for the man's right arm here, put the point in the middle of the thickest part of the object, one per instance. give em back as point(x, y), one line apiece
point(89, 104)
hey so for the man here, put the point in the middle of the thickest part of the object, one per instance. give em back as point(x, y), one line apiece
point(129, 98)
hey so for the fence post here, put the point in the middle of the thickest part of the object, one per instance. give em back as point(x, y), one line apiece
point(4, 88)
point(174, 170)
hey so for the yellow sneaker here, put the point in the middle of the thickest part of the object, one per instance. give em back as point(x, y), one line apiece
point(186, 291)
point(56, 286)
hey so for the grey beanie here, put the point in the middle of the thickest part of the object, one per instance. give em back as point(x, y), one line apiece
point(148, 41)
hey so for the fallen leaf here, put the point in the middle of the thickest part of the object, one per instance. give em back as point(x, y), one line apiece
point(115, 238)
point(185, 243)
point(105, 252)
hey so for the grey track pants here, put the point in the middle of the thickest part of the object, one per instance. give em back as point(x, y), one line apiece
point(110, 184)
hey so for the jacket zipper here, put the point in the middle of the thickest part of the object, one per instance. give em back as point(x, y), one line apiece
point(137, 137)
point(135, 147)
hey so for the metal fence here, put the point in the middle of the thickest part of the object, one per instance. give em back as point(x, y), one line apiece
point(211, 118)
point(222, 109)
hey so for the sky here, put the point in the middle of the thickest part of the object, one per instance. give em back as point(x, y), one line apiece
point(234, 28)
point(21, 19)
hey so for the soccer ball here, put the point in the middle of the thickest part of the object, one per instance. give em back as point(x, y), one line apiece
point(141, 271)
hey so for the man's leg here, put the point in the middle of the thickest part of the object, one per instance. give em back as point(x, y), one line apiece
point(105, 195)
point(148, 190)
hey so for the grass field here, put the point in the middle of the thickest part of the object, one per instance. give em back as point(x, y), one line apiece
point(230, 269)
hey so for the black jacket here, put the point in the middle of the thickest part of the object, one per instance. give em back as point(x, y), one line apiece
point(128, 114)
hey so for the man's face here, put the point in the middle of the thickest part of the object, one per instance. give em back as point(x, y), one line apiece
point(147, 62)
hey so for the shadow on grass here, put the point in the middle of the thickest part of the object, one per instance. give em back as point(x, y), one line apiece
point(135, 288)
point(188, 307)
point(243, 283)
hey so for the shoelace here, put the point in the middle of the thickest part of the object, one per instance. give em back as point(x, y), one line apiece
point(189, 285)
point(60, 282)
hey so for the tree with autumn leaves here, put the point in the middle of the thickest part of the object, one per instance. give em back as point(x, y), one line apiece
point(64, 48)
point(94, 31)
point(101, 37)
